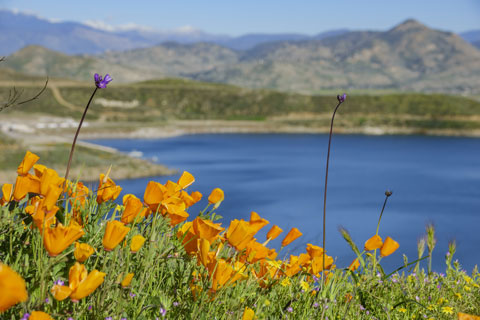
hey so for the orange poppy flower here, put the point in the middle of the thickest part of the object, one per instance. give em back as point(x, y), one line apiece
point(188, 237)
point(127, 280)
point(226, 274)
point(292, 235)
point(314, 251)
point(239, 234)
point(203, 247)
point(185, 180)
point(87, 285)
point(52, 196)
point(57, 239)
point(177, 217)
point(107, 189)
point(257, 222)
point(40, 215)
point(216, 197)
point(154, 195)
point(197, 196)
point(82, 251)
point(60, 293)
point(274, 232)
point(25, 184)
point(7, 192)
point(47, 178)
point(187, 199)
point(12, 288)
point(206, 229)
point(115, 231)
point(81, 284)
point(464, 316)
point(389, 247)
point(39, 315)
point(256, 251)
point(373, 243)
point(354, 265)
point(27, 163)
point(317, 264)
point(137, 243)
point(133, 207)
point(78, 194)
point(38, 169)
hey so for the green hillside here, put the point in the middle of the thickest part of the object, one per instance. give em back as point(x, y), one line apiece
point(155, 102)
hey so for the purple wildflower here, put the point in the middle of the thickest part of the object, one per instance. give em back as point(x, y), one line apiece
point(341, 98)
point(163, 312)
point(175, 304)
point(90, 307)
point(47, 300)
point(362, 307)
point(290, 309)
point(123, 319)
point(108, 318)
point(417, 298)
point(102, 83)
point(132, 295)
point(70, 318)
point(25, 316)
point(439, 286)
point(59, 282)
point(315, 305)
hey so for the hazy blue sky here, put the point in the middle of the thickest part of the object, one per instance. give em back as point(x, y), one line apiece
point(269, 16)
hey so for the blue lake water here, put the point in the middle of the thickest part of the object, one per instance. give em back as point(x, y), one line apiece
point(281, 176)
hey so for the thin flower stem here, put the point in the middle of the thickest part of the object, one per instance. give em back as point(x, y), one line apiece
point(387, 195)
point(381, 213)
point(76, 135)
point(326, 180)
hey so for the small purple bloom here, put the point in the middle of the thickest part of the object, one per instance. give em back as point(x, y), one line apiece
point(315, 305)
point(132, 295)
point(90, 308)
point(26, 316)
point(290, 309)
point(123, 319)
point(102, 83)
point(47, 300)
point(70, 318)
point(362, 307)
point(341, 98)
point(108, 318)
point(439, 286)
point(175, 304)
point(163, 312)
point(59, 282)
point(417, 298)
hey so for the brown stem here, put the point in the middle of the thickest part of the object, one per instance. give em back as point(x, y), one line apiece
point(76, 135)
point(325, 192)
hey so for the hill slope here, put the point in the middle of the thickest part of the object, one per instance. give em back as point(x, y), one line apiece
point(409, 57)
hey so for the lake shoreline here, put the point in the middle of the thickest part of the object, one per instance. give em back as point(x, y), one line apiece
point(189, 127)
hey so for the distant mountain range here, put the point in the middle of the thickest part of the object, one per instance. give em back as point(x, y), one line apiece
point(409, 56)
point(18, 30)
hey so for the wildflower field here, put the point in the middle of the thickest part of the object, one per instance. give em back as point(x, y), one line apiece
point(71, 252)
